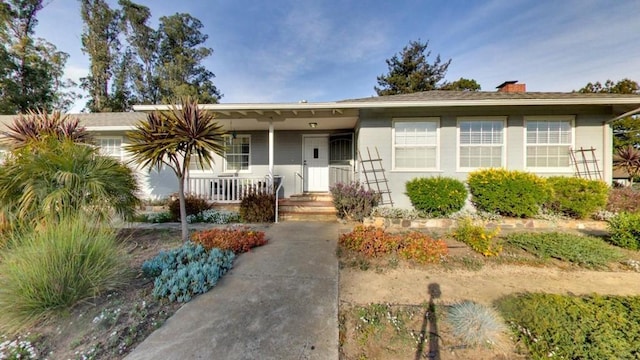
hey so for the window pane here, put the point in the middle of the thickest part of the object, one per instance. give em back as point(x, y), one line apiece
point(481, 143)
point(415, 144)
point(553, 140)
point(238, 153)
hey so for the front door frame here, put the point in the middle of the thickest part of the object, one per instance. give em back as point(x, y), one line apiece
point(325, 173)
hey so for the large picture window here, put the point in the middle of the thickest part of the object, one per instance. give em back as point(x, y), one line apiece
point(549, 141)
point(415, 143)
point(481, 143)
point(238, 153)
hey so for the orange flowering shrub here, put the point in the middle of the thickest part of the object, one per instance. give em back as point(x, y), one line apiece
point(238, 240)
point(374, 242)
point(422, 248)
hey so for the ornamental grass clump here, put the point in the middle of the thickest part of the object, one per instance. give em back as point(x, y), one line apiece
point(49, 270)
point(437, 196)
point(476, 324)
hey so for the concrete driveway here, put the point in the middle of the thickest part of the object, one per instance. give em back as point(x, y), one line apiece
point(280, 301)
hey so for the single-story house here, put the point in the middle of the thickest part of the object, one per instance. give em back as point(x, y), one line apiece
point(307, 147)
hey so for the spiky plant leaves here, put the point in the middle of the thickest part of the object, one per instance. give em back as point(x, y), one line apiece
point(172, 137)
point(628, 159)
point(37, 125)
point(51, 178)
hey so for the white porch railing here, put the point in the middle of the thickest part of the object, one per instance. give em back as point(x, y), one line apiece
point(226, 189)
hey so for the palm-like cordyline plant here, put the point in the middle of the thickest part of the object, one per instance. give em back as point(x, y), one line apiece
point(52, 178)
point(172, 138)
point(628, 159)
point(38, 125)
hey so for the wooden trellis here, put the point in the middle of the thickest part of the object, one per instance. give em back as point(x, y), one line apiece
point(586, 163)
point(374, 176)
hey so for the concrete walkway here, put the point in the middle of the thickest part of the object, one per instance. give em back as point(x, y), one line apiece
point(279, 301)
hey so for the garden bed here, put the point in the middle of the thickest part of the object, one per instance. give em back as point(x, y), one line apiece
point(503, 223)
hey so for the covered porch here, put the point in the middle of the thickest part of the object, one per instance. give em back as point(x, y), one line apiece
point(299, 147)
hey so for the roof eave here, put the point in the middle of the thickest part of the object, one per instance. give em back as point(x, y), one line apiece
point(401, 104)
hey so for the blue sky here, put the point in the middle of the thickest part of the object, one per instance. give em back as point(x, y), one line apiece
point(286, 51)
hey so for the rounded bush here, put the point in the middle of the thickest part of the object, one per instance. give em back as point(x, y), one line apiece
point(193, 204)
point(509, 193)
point(438, 196)
point(575, 197)
point(258, 208)
point(624, 230)
point(353, 201)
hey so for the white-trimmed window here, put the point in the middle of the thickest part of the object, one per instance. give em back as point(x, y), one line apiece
point(481, 142)
point(415, 143)
point(549, 140)
point(111, 146)
point(238, 153)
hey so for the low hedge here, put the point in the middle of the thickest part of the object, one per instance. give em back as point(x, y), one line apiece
point(624, 230)
point(576, 197)
point(508, 192)
point(437, 196)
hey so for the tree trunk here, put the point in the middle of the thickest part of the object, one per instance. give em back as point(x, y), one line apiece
point(183, 210)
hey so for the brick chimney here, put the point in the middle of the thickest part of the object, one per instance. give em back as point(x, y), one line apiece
point(512, 87)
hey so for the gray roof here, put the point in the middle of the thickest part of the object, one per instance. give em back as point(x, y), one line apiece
point(440, 95)
point(95, 119)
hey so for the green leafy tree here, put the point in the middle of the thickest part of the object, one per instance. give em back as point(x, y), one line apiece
point(50, 178)
point(180, 57)
point(172, 138)
point(626, 131)
point(100, 41)
point(461, 84)
point(410, 71)
point(143, 45)
point(31, 70)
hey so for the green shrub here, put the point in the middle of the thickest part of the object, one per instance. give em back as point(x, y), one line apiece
point(626, 199)
point(478, 237)
point(624, 230)
point(585, 251)
point(193, 204)
point(476, 324)
point(75, 260)
point(438, 196)
point(187, 271)
point(353, 201)
point(575, 197)
point(509, 193)
point(258, 208)
point(569, 327)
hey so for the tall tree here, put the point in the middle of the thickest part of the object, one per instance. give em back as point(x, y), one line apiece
point(180, 57)
point(31, 70)
point(143, 44)
point(172, 138)
point(626, 131)
point(410, 71)
point(461, 84)
point(100, 40)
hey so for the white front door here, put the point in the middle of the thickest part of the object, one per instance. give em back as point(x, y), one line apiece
point(316, 162)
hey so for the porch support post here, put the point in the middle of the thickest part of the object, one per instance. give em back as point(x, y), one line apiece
point(271, 150)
